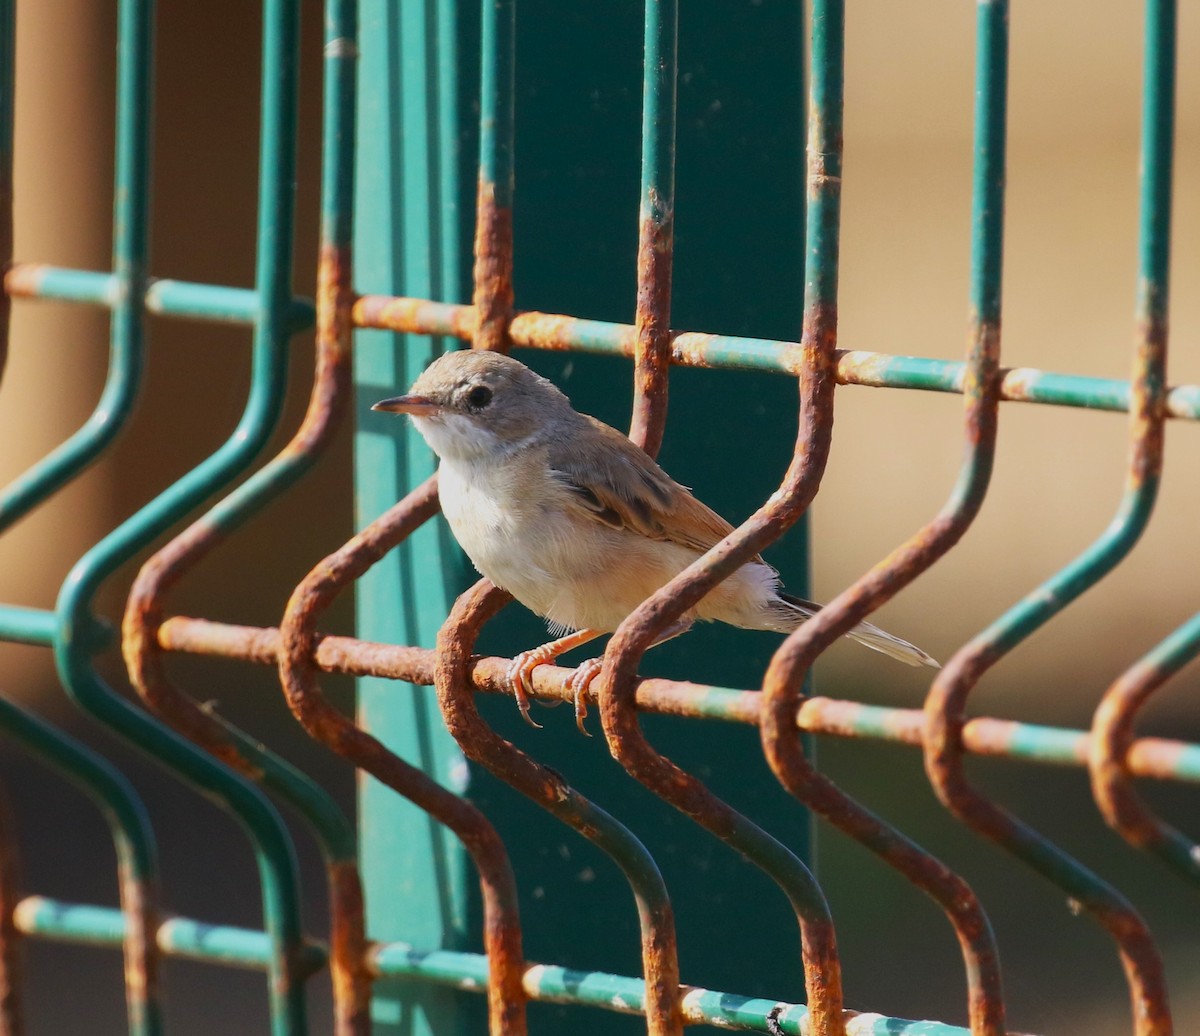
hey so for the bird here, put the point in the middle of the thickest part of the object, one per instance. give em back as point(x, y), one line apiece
point(575, 520)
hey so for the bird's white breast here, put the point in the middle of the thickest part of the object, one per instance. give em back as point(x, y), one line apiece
point(498, 515)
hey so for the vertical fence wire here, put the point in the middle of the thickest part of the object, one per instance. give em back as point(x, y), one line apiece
point(656, 225)
point(1112, 729)
point(273, 848)
point(546, 787)
point(617, 678)
point(493, 205)
point(298, 672)
point(945, 705)
point(146, 603)
point(1111, 747)
point(130, 214)
point(77, 635)
point(137, 862)
point(792, 662)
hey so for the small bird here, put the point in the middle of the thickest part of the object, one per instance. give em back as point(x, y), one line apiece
point(575, 521)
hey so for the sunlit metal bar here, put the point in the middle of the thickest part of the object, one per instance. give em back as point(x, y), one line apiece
point(28, 625)
point(1150, 757)
point(406, 207)
point(457, 636)
point(616, 684)
point(162, 297)
point(554, 332)
point(501, 928)
point(39, 626)
point(176, 936)
point(628, 996)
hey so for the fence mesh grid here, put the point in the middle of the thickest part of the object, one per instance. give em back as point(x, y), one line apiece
point(246, 778)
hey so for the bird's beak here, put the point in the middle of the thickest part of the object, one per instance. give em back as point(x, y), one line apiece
point(418, 406)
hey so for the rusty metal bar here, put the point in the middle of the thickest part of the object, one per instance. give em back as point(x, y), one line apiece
point(656, 225)
point(1112, 727)
point(555, 332)
point(72, 647)
point(493, 211)
point(617, 679)
point(1149, 757)
point(452, 677)
point(502, 929)
point(147, 599)
point(785, 677)
point(945, 705)
point(1114, 750)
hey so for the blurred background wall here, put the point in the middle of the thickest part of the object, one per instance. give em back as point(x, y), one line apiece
point(1069, 290)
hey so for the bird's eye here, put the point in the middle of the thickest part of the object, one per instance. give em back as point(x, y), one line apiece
point(479, 397)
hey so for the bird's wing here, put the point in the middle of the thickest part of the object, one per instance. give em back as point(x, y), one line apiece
point(613, 481)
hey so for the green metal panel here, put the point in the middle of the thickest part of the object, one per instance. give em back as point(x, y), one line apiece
point(406, 242)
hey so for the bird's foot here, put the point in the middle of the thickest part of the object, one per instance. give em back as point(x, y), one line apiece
point(578, 684)
point(520, 677)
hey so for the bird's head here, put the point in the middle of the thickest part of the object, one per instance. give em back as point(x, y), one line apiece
point(471, 405)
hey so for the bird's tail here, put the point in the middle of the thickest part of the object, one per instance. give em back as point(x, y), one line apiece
point(866, 634)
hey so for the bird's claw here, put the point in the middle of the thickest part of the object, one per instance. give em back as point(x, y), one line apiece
point(519, 678)
point(578, 684)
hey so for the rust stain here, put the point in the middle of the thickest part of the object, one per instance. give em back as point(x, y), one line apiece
point(24, 280)
point(782, 696)
point(785, 676)
point(413, 316)
point(691, 348)
point(142, 958)
point(652, 331)
point(550, 791)
point(348, 950)
point(617, 680)
point(493, 275)
point(298, 672)
point(1150, 757)
point(1110, 765)
point(945, 722)
point(856, 367)
point(158, 576)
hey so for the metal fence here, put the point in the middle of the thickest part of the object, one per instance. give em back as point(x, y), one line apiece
point(243, 775)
